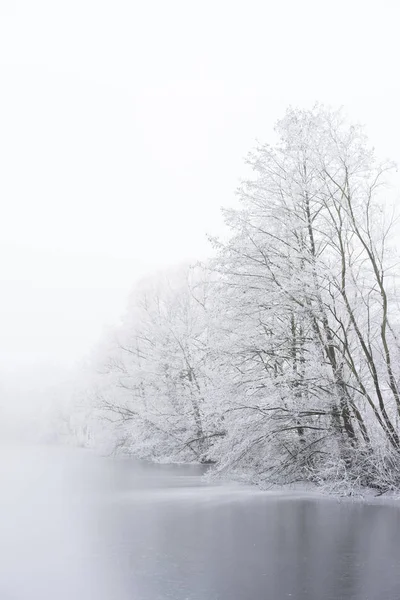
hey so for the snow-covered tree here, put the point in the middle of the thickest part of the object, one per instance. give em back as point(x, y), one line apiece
point(157, 376)
point(305, 276)
point(279, 358)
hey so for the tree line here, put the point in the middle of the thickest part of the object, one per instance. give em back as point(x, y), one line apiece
point(277, 359)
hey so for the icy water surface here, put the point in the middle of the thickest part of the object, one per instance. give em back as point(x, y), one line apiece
point(74, 526)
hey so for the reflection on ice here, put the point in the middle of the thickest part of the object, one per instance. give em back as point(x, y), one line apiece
point(76, 526)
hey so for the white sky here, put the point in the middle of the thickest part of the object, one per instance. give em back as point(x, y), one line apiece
point(123, 126)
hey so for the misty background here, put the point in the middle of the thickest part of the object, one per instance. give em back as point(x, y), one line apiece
point(123, 128)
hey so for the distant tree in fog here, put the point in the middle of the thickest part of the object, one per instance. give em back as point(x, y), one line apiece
point(159, 372)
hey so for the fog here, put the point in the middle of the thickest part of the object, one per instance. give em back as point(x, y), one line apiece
point(123, 129)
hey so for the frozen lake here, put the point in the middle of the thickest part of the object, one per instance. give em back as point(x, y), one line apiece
point(79, 527)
